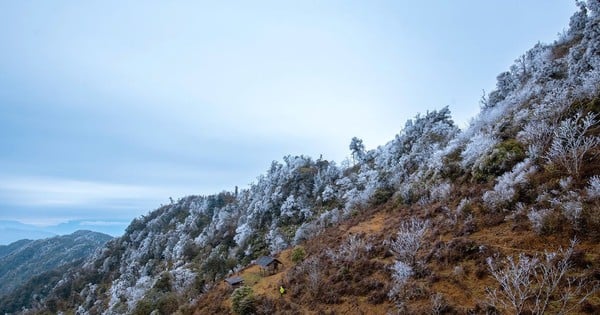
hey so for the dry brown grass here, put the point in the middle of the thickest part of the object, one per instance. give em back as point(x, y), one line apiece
point(455, 266)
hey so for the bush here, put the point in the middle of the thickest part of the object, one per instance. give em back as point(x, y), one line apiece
point(381, 196)
point(242, 301)
point(164, 282)
point(591, 223)
point(456, 250)
point(503, 158)
point(531, 285)
point(298, 254)
point(571, 143)
point(168, 303)
point(143, 307)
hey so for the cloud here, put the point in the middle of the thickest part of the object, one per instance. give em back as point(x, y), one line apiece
point(42, 220)
point(103, 223)
point(59, 192)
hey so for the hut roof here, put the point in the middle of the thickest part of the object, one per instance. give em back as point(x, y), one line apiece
point(234, 280)
point(265, 261)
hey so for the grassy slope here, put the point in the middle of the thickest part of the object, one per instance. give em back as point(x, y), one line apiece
point(455, 264)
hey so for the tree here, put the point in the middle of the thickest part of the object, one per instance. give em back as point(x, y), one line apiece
point(532, 285)
point(408, 241)
point(358, 149)
point(571, 144)
point(516, 283)
point(401, 272)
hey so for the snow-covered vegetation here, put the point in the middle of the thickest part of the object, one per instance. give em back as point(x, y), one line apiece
point(527, 157)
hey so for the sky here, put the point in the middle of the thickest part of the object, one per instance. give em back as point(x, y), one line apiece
point(109, 108)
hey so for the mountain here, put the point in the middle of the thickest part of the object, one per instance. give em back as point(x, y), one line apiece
point(499, 218)
point(12, 231)
point(24, 259)
point(7, 249)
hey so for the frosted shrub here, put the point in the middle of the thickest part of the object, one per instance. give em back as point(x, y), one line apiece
point(353, 248)
point(306, 231)
point(464, 207)
point(405, 247)
point(310, 269)
point(536, 134)
point(479, 146)
point(458, 271)
point(537, 219)
point(401, 273)
point(570, 143)
point(572, 210)
point(569, 203)
point(328, 194)
point(310, 229)
point(438, 304)
point(504, 190)
point(531, 284)
point(440, 192)
point(183, 279)
point(565, 183)
point(516, 283)
point(275, 240)
point(409, 240)
point(593, 189)
point(242, 233)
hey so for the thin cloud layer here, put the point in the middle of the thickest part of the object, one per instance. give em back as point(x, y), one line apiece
point(52, 192)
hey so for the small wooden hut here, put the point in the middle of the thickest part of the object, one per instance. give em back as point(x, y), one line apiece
point(234, 281)
point(268, 265)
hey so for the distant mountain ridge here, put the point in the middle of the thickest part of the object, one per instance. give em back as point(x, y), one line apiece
point(12, 231)
point(24, 259)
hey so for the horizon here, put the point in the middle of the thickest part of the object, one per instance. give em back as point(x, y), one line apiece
point(110, 109)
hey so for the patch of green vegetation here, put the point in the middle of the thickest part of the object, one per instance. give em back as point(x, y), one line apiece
point(242, 301)
point(502, 159)
point(143, 307)
point(289, 231)
point(381, 196)
point(298, 254)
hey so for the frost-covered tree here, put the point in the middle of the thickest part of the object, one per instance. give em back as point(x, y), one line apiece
point(401, 273)
point(571, 142)
point(516, 280)
point(578, 19)
point(534, 284)
point(409, 240)
point(411, 151)
point(353, 248)
point(505, 84)
point(357, 148)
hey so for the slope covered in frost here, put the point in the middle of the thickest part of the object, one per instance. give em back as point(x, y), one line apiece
point(527, 164)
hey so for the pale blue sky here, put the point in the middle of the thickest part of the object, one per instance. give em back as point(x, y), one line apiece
point(108, 108)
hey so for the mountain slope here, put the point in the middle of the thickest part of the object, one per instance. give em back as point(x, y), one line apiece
point(25, 259)
point(7, 249)
point(438, 220)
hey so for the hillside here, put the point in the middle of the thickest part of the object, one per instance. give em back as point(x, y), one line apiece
point(7, 249)
point(25, 259)
point(499, 218)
